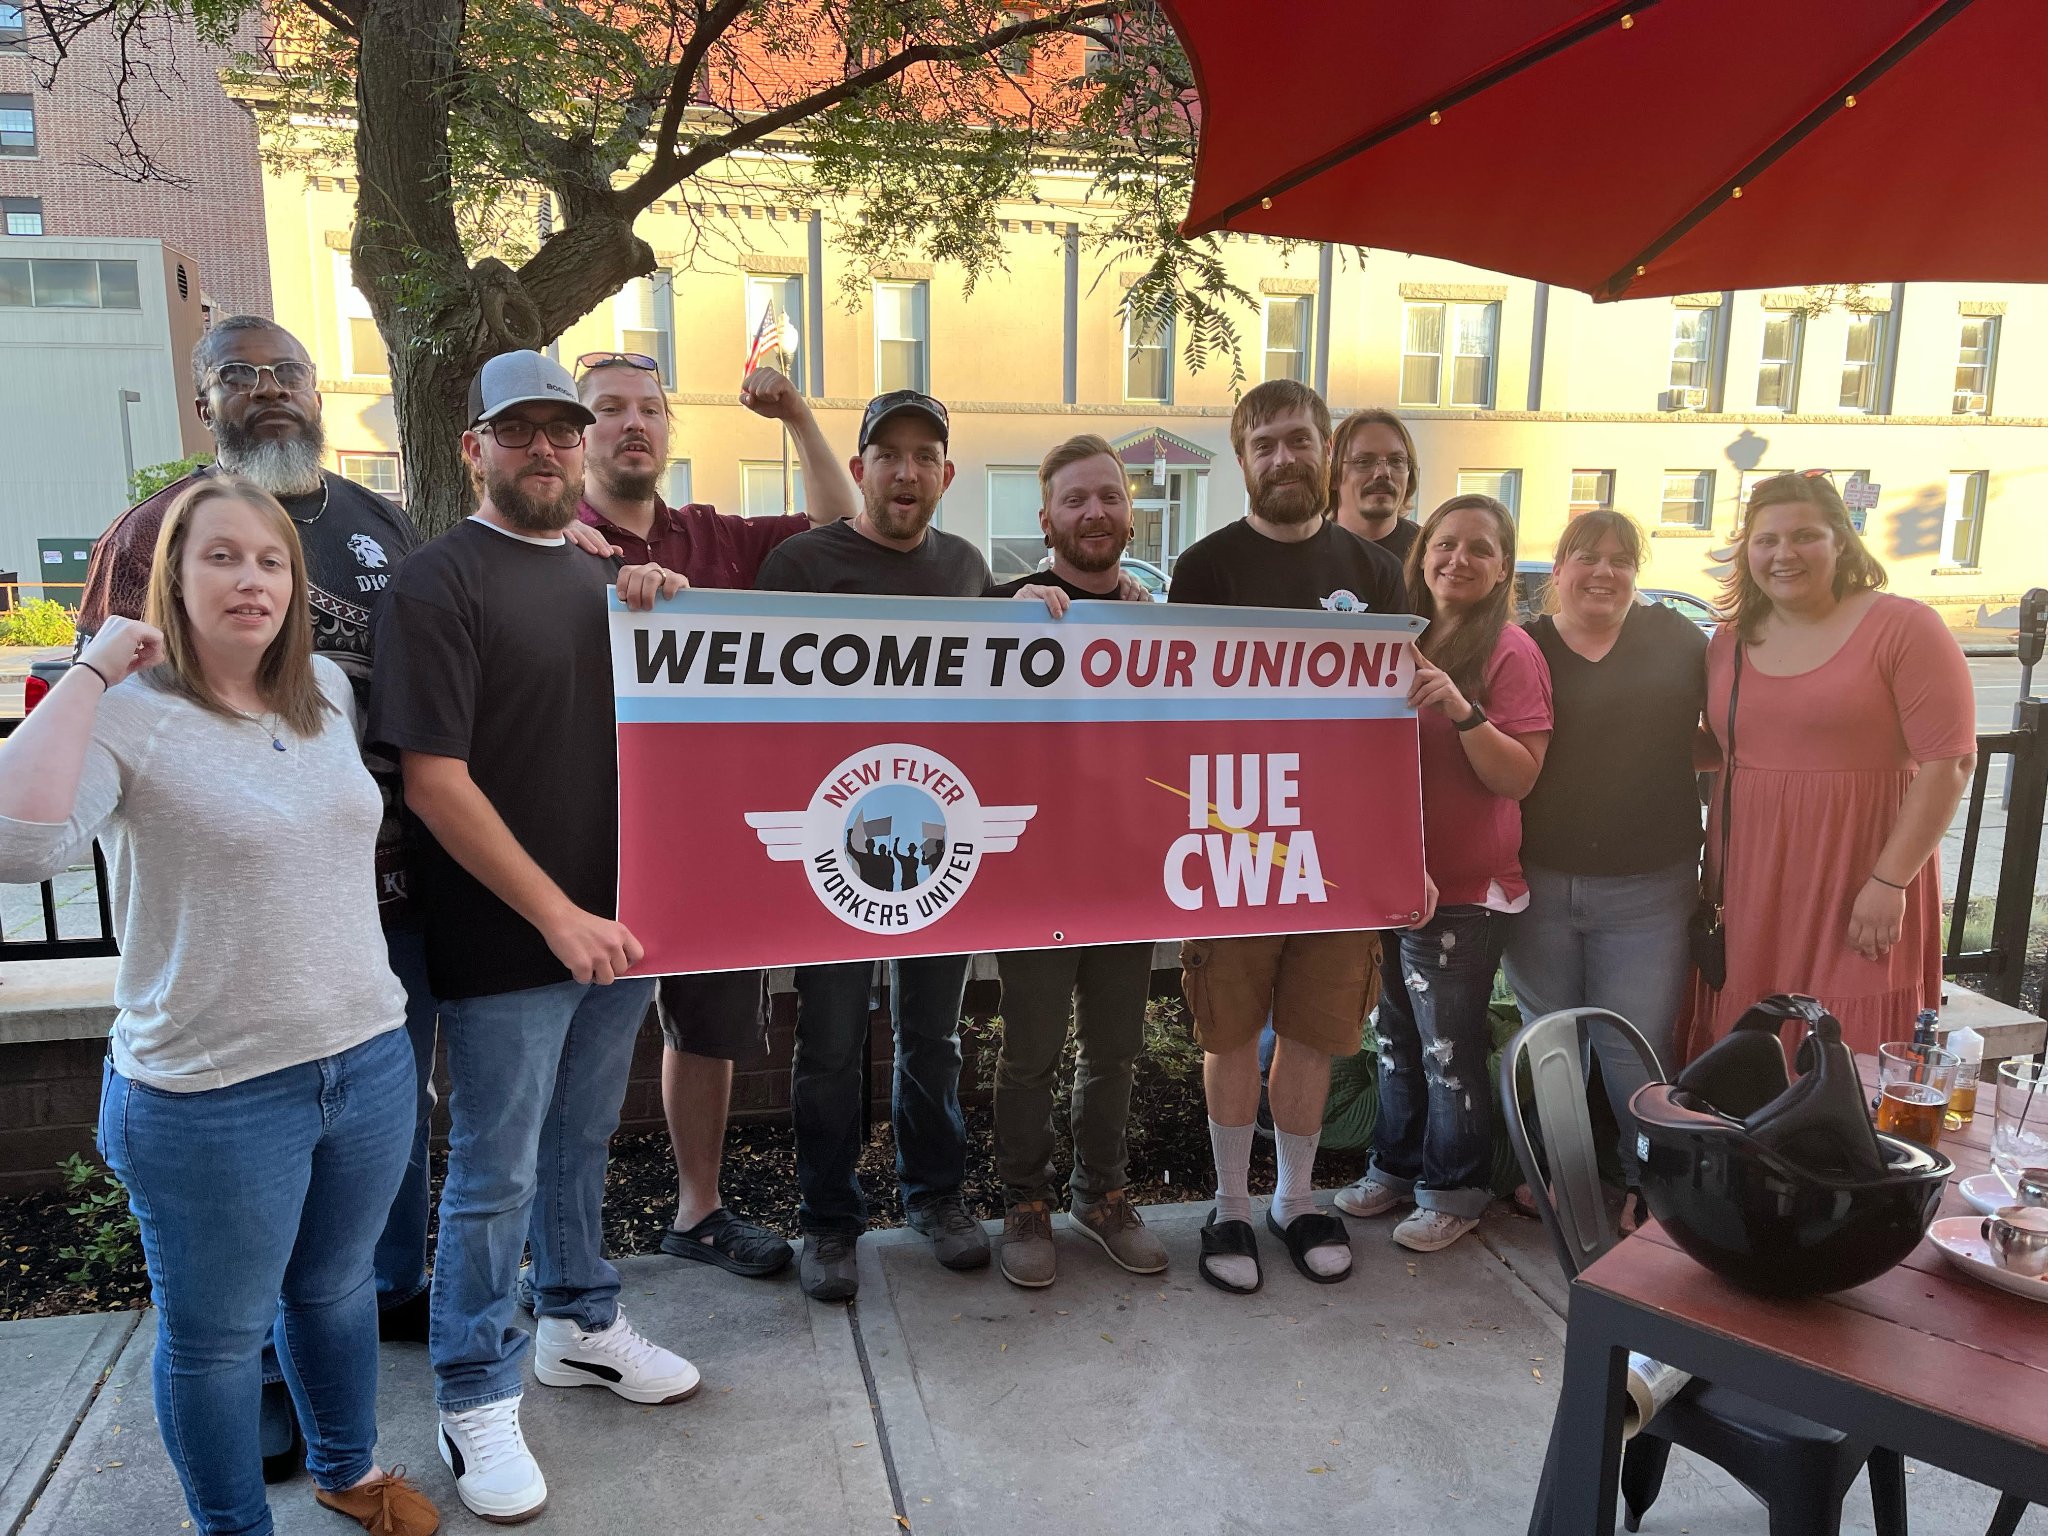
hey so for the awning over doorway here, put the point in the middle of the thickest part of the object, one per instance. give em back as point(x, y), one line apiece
point(1154, 445)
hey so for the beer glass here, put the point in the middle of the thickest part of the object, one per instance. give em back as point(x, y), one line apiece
point(1914, 1082)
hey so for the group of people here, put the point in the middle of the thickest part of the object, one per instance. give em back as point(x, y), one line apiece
point(359, 793)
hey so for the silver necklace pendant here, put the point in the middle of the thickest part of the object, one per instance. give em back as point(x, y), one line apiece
point(278, 744)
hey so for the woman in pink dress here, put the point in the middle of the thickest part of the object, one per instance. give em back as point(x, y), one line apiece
point(1855, 737)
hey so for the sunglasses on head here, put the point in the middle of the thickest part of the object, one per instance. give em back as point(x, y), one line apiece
point(592, 360)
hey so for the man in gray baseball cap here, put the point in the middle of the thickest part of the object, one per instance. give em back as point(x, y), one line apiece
point(494, 691)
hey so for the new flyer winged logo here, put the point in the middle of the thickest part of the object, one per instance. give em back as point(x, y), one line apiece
point(892, 838)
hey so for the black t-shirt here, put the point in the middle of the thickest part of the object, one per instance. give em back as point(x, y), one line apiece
point(840, 558)
point(1239, 567)
point(1048, 578)
point(1400, 538)
point(1617, 795)
point(497, 651)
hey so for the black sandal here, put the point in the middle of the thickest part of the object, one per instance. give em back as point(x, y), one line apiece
point(1316, 1229)
point(738, 1247)
point(1229, 1240)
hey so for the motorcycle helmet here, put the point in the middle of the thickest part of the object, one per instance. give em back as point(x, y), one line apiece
point(1781, 1184)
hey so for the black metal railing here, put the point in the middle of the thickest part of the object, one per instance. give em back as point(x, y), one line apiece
point(54, 944)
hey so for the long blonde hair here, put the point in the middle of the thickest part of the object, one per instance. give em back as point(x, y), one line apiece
point(284, 677)
point(1743, 602)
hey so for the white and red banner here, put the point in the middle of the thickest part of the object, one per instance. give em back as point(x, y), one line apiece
point(807, 779)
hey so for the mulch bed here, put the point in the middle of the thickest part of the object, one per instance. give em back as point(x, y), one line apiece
point(1169, 1139)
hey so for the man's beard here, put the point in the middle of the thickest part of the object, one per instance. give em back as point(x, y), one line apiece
point(533, 514)
point(892, 523)
point(626, 484)
point(1384, 513)
point(1290, 495)
point(1069, 546)
point(283, 466)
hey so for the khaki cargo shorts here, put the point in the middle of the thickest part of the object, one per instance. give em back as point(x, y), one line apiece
point(1317, 988)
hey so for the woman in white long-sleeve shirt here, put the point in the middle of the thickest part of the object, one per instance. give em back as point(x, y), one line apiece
point(258, 1099)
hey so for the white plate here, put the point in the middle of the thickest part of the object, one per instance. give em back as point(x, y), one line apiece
point(1961, 1241)
point(1986, 1193)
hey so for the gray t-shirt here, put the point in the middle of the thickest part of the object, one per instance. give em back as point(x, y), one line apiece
point(840, 558)
point(243, 894)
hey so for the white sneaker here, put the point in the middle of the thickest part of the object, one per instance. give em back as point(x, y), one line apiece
point(1427, 1231)
point(637, 1369)
point(1369, 1197)
point(496, 1476)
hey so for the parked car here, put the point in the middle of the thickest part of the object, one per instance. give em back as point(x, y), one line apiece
point(1697, 609)
point(1532, 588)
point(42, 677)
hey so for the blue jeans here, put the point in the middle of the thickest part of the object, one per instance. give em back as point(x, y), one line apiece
point(402, 1250)
point(1435, 1133)
point(258, 1206)
point(831, 1032)
point(1608, 941)
point(536, 1079)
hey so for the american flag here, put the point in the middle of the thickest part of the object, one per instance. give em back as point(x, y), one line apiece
point(766, 334)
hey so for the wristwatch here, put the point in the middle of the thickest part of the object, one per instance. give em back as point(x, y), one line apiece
point(1473, 721)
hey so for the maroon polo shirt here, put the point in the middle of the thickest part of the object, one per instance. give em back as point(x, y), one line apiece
point(711, 548)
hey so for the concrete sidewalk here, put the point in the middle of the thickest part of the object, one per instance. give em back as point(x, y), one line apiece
point(1413, 1398)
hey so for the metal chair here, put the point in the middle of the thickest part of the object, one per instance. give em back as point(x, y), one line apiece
point(1800, 1470)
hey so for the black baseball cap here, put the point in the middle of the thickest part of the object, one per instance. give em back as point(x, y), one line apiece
point(882, 407)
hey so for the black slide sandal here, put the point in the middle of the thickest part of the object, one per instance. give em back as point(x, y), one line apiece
point(1229, 1240)
point(1316, 1229)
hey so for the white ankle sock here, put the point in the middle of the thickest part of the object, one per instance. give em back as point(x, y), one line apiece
point(1232, 1146)
point(1292, 1197)
point(1291, 1194)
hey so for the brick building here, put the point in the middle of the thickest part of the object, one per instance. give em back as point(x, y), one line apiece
point(56, 142)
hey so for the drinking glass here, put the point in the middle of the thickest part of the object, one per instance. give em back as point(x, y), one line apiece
point(2019, 1130)
point(1914, 1084)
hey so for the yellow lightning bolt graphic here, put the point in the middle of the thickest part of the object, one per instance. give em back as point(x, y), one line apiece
point(1276, 854)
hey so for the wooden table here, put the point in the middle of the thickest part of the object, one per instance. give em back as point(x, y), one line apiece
point(1922, 1360)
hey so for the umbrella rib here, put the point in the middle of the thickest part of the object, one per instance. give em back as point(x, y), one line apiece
point(1507, 69)
point(1617, 286)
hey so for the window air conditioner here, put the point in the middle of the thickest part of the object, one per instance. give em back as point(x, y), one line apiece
point(1690, 399)
point(1971, 405)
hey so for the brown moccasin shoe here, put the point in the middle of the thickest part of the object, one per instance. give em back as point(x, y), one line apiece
point(385, 1506)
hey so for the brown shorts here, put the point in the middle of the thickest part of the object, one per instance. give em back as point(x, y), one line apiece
point(1316, 987)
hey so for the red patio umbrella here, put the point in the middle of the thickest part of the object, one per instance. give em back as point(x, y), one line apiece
point(1631, 150)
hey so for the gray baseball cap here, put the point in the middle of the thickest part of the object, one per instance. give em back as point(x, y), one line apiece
point(523, 378)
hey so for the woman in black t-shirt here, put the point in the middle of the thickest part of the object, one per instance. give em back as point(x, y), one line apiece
point(1611, 833)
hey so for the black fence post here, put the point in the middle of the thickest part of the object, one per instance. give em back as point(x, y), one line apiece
point(2026, 806)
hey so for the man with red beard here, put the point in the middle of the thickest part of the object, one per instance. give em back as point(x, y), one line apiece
point(1316, 987)
point(494, 689)
point(1085, 510)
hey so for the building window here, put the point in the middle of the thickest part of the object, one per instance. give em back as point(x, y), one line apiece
point(1096, 55)
point(761, 488)
point(1015, 56)
point(1692, 359)
point(24, 215)
point(1748, 480)
point(62, 284)
point(1975, 360)
point(1962, 520)
point(1015, 542)
point(1288, 328)
point(13, 30)
point(773, 298)
point(645, 313)
point(1148, 360)
point(902, 336)
point(17, 126)
point(1453, 338)
point(1863, 363)
point(362, 346)
point(1592, 491)
point(1777, 375)
point(1503, 485)
point(679, 483)
point(378, 471)
point(1688, 499)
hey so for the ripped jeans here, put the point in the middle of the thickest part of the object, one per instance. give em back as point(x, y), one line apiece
point(1435, 1133)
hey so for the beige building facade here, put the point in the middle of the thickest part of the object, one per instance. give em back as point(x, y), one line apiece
point(1667, 409)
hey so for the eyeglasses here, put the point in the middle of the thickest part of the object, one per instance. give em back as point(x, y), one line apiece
point(244, 377)
point(1395, 463)
point(514, 432)
point(640, 360)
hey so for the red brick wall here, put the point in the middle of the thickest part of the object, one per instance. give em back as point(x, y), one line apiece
point(189, 127)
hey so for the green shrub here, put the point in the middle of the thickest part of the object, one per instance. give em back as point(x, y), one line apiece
point(113, 1242)
point(42, 621)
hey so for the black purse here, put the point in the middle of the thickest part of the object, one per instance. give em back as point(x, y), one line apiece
point(1705, 934)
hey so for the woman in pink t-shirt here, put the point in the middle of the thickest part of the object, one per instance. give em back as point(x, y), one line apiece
point(1482, 693)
